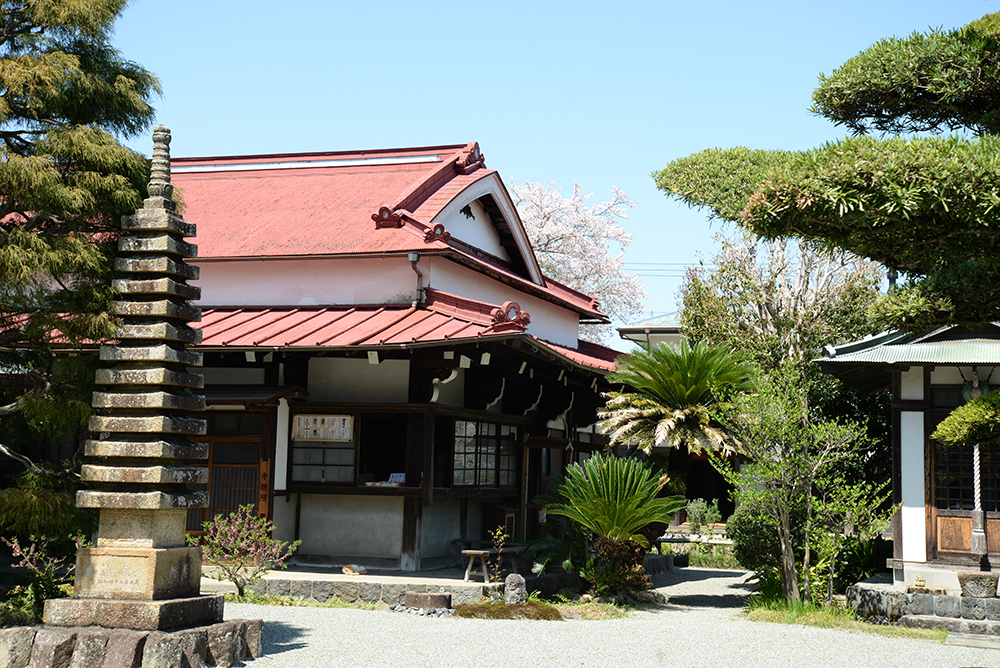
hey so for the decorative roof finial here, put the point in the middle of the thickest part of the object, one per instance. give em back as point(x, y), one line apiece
point(159, 178)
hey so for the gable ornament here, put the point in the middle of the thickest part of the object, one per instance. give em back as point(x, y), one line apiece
point(386, 217)
point(509, 318)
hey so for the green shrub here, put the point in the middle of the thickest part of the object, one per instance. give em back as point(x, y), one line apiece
point(700, 513)
point(755, 537)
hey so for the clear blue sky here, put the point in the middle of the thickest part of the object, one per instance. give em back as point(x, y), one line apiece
point(600, 93)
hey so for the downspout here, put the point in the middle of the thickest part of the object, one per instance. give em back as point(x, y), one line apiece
point(414, 257)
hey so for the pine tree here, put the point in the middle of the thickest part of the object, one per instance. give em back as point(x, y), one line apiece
point(65, 182)
point(925, 206)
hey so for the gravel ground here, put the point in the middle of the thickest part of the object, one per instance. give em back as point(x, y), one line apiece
point(700, 627)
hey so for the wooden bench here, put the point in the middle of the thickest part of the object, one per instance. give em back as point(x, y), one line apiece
point(510, 552)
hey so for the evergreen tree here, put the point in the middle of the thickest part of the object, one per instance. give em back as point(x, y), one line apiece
point(65, 182)
point(926, 206)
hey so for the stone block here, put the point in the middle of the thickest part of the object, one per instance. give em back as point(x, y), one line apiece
point(163, 243)
point(125, 649)
point(993, 608)
point(194, 644)
point(978, 584)
point(346, 591)
point(369, 592)
point(255, 638)
point(141, 528)
point(96, 498)
point(147, 424)
point(427, 599)
point(146, 353)
point(158, 220)
point(176, 449)
point(921, 604)
point(15, 646)
point(159, 331)
point(131, 614)
point(145, 376)
point(157, 309)
point(52, 649)
point(91, 649)
point(156, 286)
point(222, 644)
point(162, 650)
point(139, 400)
point(977, 627)
point(948, 606)
point(935, 622)
point(973, 608)
point(156, 265)
point(894, 603)
point(259, 588)
point(466, 595)
point(279, 588)
point(300, 588)
point(392, 593)
point(138, 573)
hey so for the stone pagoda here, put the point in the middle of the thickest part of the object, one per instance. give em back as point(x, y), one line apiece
point(141, 574)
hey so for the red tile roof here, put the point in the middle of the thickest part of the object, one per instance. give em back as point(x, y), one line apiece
point(443, 318)
point(318, 204)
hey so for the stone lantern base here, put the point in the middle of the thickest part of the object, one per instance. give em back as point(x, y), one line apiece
point(139, 615)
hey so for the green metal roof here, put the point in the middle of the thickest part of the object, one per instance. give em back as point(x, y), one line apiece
point(945, 345)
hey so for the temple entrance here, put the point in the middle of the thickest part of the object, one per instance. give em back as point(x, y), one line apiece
point(239, 471)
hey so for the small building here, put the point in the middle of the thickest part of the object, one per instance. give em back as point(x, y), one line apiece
point(654, 330)
point(387, 370)
point(930, 374)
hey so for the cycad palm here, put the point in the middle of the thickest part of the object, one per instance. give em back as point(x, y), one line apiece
point(672, 387)
point(614, 498)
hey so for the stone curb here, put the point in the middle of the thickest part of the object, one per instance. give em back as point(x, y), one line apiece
point(224, 644)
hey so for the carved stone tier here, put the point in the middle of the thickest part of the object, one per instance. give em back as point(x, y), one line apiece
point(162, 243)
point(159, 331)
point(173, 449)
point(160, 474)
point(161, 353)
point(154, 424)
point(125, 376)
point(141, 615)
point(156, 309)
point(136, 500)
point(138, 573)
point(158, 286)
point(156, 265)
point(142, 528)
point(161, 400)
point(158, 220)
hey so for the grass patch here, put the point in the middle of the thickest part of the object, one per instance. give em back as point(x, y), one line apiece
point(297, 601)
point(490, 610)
point(833, 618)
point(706, 555)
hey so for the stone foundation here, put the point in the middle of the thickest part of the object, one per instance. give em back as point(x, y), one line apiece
point(131, 614)
point(961, 614)
point(223, 644)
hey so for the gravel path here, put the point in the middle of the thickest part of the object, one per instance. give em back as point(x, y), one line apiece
point(700, 627)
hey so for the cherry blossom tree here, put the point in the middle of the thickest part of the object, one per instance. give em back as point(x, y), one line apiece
point(582, 246)
point(779, 299)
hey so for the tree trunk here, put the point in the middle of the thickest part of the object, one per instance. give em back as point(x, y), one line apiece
point(789, 577)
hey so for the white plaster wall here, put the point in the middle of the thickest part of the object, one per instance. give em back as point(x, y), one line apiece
point(351, 526)
point(440, 524)
point(477, 231)
point(912, 383)
point(296, 281)
point(231, 376)
point(950, 375)
point(281, 422)
point(350, 380)
point(283, 517)
point(911, 436)
point(548, 321)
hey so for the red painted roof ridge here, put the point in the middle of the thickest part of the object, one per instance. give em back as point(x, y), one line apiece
point(455, 149)
point(446, 303)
